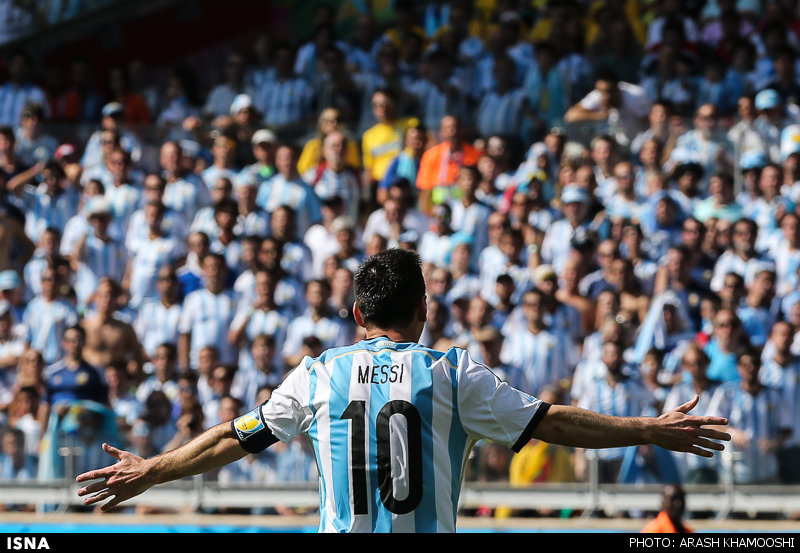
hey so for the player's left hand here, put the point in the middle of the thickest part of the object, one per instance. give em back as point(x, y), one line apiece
point(681, 432)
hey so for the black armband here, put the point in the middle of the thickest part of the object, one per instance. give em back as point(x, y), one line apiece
point(253, 434)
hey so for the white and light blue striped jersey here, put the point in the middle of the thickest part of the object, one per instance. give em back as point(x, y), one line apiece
point(186, 196)
point(172, 225)
point(13, 98)
point(330, 330)
point(213, 173)
point(271, 322)
point(535, 360)
point(626, 398)
point(501, 113)
point(46, 322)
point(392, 425)
point(146, 258)
point(787, 380)
point(105, 259)
point(679, 394)
point(297, 194)
point(205, 222)
point(124, 200)
point(284, 102)
point(255, 223)
point(157, 324)
point(472, 220)
point(760, 417)
point(207, 317)
point(43, 210)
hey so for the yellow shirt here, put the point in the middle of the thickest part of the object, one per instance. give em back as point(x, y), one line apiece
point(383, 142)
point(312, 155)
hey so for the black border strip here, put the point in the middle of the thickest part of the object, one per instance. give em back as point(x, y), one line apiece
point(535, 420)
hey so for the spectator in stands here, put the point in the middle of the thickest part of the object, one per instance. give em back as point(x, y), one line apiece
point(440, 164)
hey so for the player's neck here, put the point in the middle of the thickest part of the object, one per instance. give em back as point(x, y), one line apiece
point(395, 335)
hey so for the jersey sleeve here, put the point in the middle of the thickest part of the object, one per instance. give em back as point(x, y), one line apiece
point(288, 412)
point(490, 408)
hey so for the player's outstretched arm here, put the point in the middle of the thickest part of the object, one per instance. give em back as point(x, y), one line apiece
point(675, 430)
point(132, 475)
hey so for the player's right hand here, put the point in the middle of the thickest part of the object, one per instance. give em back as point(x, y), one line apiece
point(124, 479)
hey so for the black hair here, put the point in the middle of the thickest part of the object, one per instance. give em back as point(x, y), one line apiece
point(388, 288)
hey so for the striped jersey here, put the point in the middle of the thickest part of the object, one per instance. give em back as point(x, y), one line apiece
point(392, 425)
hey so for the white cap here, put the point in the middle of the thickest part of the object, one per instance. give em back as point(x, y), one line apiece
point(242, 101)
point(264, 135)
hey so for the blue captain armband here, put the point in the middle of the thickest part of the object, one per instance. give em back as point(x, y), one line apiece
point(254, 436)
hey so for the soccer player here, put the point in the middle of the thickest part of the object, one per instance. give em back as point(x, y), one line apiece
point(361, 405)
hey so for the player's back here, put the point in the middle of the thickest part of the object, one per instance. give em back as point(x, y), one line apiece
point(392, 425)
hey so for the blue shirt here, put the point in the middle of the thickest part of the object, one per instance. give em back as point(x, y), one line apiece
point(83, 382)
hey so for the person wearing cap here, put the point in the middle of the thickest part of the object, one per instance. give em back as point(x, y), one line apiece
point(557, 239)
point(465, 282)
point(11, 291)
point(102, 254)
point(263, 143)
point(774, 116)
point(112, 116)
point(751, 162)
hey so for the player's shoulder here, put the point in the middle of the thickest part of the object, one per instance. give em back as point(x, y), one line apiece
point(381, 345)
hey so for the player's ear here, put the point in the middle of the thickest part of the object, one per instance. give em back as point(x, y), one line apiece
point(357, 315)
point(422, 310)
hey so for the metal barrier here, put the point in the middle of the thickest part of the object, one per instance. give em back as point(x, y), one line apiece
point(589, 498)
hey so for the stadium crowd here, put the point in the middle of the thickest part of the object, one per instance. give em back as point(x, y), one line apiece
point(604, 195)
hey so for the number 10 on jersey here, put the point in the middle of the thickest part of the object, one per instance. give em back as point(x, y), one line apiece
point(357, 413)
